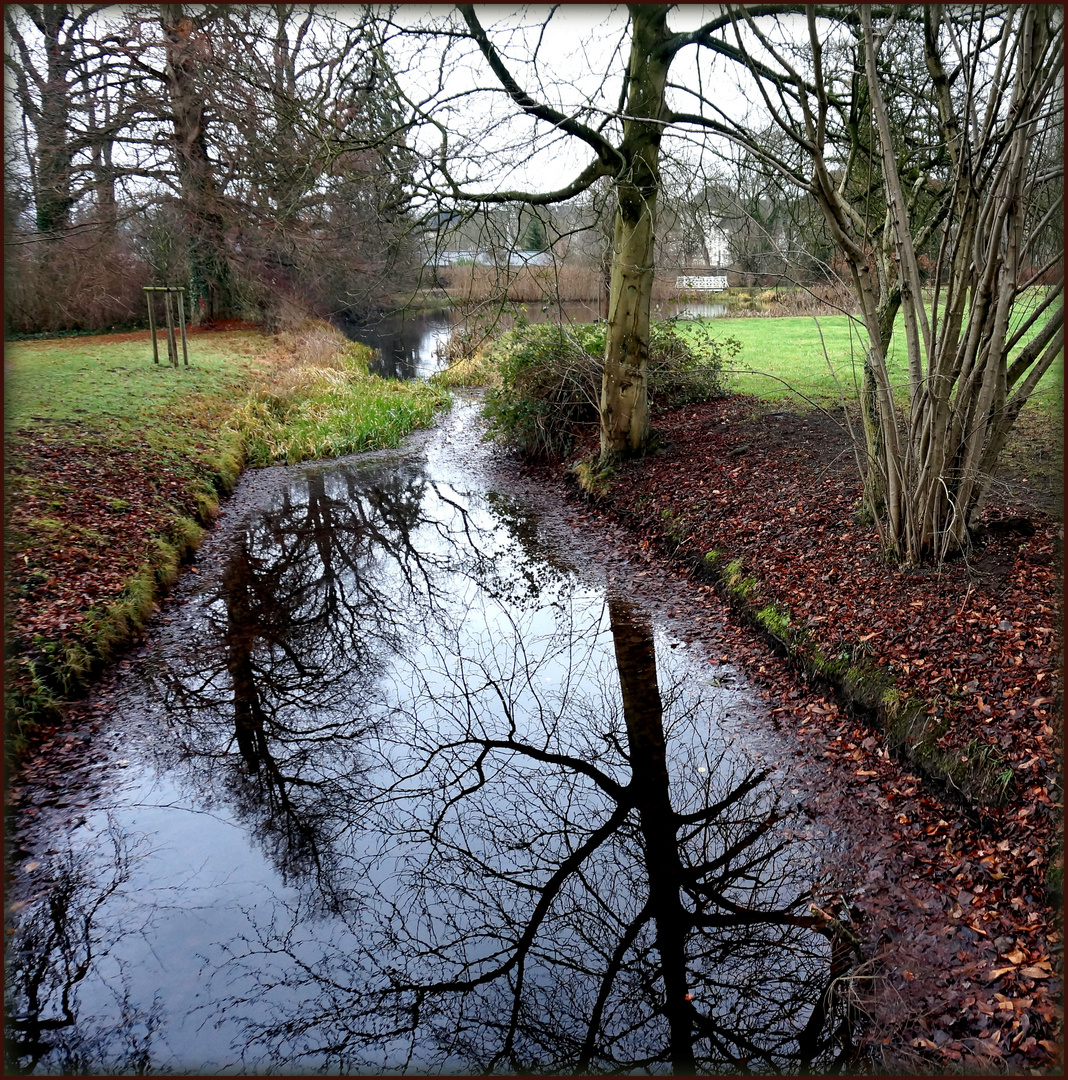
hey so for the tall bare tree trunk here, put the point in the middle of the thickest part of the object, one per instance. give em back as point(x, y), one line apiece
point(52, 194)
point(209, 267)
point(874, 497)
point(624, 391)
point(106, 210)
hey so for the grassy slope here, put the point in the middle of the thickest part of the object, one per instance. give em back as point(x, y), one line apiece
point(95, 393)
point(782, 358)
point(114, 464)
point(803, 360)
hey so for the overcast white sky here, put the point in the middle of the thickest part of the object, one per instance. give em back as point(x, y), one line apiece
point(571, 58)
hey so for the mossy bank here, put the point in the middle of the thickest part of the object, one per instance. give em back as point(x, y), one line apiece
point(115, 466)
point(978, 777)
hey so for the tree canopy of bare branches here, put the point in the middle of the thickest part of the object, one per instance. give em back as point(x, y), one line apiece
point(248, 151)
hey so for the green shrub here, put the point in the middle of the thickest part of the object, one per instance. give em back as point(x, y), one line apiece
point(684, 370)
point(549, 385)
point(550, 380)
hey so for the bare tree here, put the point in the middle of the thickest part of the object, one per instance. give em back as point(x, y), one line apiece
point(46, 86)
point(204, 214)
point(924, 135)
point(254, 151)
point(624, 136)
point(632, 161)
point(959, 172)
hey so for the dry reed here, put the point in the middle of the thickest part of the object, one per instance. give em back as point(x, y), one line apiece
point(470, 284)
point(540, 284)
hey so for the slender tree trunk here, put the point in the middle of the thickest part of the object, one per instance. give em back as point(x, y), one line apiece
point(874, 498)
point(624, 407)
point(106, 211)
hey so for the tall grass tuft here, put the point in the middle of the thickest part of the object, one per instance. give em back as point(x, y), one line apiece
point(325, 403)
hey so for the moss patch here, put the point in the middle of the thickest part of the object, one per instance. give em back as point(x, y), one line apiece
point(592, 477)
point(115, 465)
point(978, 775)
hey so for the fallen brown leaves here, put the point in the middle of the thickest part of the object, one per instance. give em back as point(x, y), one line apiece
point(964, 947)
point(979, 637)
point(83, 518)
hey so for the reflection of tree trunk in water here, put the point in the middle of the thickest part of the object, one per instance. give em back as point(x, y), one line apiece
point(808, 1042)
point(322, 528)
point(643, 714)
point(238, 642)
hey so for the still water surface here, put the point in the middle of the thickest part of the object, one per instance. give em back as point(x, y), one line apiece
point(412, 344)
point(405, 786)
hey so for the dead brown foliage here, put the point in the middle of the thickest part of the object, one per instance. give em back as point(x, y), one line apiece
point(78, 282)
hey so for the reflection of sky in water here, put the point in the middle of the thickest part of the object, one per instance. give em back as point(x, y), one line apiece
point(431, 350)
point(440, 738)
point(698, 310)
point(410, 346)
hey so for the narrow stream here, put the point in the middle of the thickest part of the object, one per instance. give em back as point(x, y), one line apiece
point(402, 784)
point(409, 345)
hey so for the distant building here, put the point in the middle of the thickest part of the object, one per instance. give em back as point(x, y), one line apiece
point(458, 256)
point(530, 258)
point(701, 282)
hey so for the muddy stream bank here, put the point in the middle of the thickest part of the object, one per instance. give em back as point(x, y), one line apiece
point(415, 772)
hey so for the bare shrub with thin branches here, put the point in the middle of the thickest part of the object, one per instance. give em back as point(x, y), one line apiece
point(72, 284)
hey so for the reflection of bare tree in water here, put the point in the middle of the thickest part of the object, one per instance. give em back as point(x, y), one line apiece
point(514, 845)
point(322, 590)
point(539, 893)
point(513, 848)
point(691, 896)
point(60, 943)
point(296, 626)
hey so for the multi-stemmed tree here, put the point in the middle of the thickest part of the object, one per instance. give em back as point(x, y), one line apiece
point(929, 152)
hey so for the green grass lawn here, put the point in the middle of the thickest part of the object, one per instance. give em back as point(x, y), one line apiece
point(804, 358)
point(116, 381)
point(795, 358)
point(93, 395)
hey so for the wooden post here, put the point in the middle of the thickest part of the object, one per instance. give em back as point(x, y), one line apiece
point(181, 323)
point(152, 323)
point(175, 293)
point(172, 345)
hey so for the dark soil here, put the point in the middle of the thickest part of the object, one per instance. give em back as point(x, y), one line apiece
point(961, 921)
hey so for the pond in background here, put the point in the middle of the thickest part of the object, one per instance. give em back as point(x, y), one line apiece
point(413, 344)
point(410, 344)
point(697, 310)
